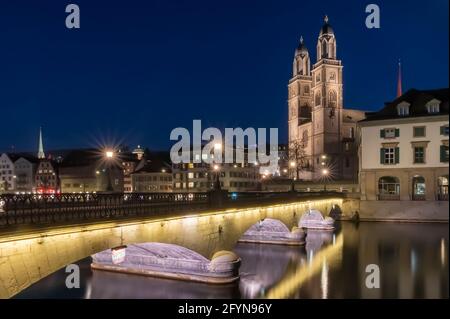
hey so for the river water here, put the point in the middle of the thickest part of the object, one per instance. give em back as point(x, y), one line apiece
point(365, 260)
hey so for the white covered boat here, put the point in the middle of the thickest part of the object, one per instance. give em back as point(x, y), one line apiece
point(313, 219)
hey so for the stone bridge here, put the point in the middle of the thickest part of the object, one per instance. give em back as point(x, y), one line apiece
point(28, 255)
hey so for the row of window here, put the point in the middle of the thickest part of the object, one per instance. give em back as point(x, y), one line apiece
point(138, 178)
point(418, 131)
point(432, 107)
point(150, 188)
point(389, 188)
point(391, 155)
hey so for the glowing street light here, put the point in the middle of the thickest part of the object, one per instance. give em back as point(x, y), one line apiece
point(109, 154)
point(293, 164)
point(217, 185)
point(325, 173)
point(218, 146)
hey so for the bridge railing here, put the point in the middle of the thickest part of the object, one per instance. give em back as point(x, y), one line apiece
point(66, 208)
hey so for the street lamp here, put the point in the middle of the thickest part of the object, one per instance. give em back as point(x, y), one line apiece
point(325, 173)
point(217, 185)
point(109, 154)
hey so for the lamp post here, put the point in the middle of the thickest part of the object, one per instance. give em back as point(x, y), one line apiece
point(217, 185)
point(109, 154)
point(325, 173)
point(293, 165)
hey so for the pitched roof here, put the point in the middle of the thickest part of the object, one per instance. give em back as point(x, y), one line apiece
point(81, 157)
point(417, 99)
point(153, 166)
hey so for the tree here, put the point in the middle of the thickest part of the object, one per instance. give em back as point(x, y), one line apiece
point(297, 156)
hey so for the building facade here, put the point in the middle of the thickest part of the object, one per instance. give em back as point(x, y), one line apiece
point(25, 169)
point(7, 173)
point(404, 152)
point(318, 122)
point(46, 179)
point(152, 177)
point(200, 177)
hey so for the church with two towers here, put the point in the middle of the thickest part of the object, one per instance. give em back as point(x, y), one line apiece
point(318, 123)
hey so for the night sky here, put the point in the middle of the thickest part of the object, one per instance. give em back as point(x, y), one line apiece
point(137, 69)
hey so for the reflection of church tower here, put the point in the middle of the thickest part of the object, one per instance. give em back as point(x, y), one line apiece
point(327, 100)
point(40, 153)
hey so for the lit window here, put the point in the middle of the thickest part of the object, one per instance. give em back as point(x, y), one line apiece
point(389, 133)
point(389, 155)
point(419, 155)
point(433, 106)
point(403, 109)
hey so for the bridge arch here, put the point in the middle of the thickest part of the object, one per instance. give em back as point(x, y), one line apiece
point(27, 258)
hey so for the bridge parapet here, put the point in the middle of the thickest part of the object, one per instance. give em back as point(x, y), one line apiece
point(39, 209)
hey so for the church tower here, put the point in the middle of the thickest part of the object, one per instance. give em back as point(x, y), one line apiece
point(40, 153)
point(327, 109)
point(299, 91)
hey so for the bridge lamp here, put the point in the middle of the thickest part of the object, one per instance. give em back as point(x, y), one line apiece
point(324, 156)
point(325, 172)
point(216, 167)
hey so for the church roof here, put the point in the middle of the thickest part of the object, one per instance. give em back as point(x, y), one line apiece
point(326, 28)
point(417, 100)
point(301, 48)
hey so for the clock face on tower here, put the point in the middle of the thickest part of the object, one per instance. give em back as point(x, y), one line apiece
point(332, 77)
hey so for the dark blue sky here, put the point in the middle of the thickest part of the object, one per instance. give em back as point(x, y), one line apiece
point(137, 69)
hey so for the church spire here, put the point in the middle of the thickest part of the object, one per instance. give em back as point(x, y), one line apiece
point(399, 79)
point(41, 153)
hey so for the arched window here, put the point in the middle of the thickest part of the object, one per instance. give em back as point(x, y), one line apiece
point(332, 50)
point(300, 67)
point(317, 99)
point(388, 188)
point(419, 188)
point(443, 187)
point(332, 99)
point(305, 138)
point(324, 49)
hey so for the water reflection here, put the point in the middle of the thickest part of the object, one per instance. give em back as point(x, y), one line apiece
point(413, 261)
point(256, 276)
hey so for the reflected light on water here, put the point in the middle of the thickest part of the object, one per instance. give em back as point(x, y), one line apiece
point(324, 279)
point(289, 285)
point(443, 250)
point(413, 262)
